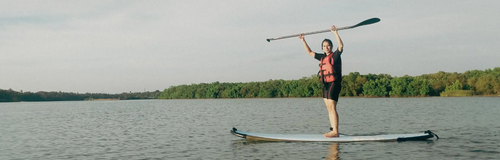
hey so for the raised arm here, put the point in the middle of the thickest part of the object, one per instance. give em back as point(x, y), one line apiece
point(339, 41)
point(308, 50)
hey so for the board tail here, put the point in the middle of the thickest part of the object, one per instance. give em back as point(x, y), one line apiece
point(429, 133)
point(233, 131)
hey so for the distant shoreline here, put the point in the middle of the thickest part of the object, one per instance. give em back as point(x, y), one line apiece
point(109, 99)
point(494, 96)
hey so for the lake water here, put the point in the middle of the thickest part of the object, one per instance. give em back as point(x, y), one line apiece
point(469, 128)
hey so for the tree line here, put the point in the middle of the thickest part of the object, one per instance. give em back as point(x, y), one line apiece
point(15, 96)
point(469, 83)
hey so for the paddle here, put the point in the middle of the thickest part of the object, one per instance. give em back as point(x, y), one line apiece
point(366, 22)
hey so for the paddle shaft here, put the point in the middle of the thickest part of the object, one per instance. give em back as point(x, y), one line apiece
point(366, 22)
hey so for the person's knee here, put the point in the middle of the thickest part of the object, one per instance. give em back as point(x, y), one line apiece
point(331, 104)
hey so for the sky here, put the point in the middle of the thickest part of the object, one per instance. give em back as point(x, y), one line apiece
point(107, 46)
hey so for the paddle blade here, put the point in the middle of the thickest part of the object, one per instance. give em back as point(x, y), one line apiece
point(367, 22)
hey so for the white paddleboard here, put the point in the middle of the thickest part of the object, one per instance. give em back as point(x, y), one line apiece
point(342, 138)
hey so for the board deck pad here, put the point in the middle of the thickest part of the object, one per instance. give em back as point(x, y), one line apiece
point(342, 138)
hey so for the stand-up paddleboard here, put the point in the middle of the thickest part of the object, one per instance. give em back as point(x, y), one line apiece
point(342, 138)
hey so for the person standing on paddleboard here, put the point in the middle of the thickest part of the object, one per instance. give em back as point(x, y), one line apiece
point(331, 76)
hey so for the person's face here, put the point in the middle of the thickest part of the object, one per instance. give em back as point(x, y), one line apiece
point(326, 47)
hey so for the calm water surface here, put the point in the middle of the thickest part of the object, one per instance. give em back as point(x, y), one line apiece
point(199, 129)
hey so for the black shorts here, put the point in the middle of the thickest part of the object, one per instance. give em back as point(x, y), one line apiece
point(332, 90)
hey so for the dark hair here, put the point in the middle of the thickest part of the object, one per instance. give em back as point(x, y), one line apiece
point(326, 40)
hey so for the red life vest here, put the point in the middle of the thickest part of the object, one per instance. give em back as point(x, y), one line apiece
point(326, 72)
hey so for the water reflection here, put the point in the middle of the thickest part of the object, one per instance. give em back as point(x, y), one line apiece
point(334, 152)
point(242, 148)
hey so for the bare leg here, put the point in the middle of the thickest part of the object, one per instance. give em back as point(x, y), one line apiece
point(331, 106)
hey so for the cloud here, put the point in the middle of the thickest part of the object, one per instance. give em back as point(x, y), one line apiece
point(132, 45)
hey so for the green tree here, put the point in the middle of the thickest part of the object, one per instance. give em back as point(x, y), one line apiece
point(455, 86)
point(485, 84)
point(399, 86)
point(377, 87)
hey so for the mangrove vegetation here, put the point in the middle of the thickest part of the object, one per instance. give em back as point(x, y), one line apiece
point(469, 83)
point(445, 84)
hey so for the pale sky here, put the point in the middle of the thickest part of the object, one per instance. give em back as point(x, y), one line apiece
point(107, 46)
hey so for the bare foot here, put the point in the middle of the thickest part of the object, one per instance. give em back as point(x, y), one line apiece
point(331, 134)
